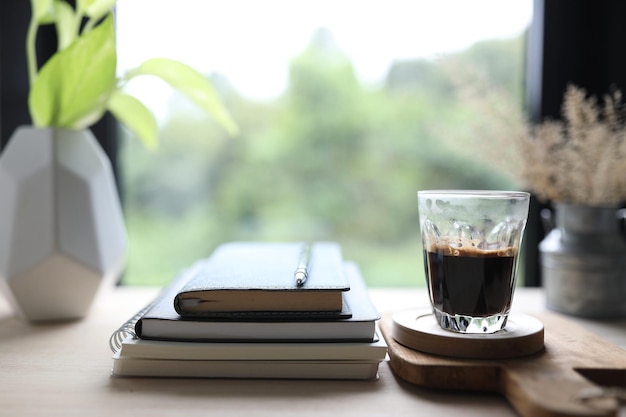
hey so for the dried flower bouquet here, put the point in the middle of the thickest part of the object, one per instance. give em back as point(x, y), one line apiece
point(582, 158)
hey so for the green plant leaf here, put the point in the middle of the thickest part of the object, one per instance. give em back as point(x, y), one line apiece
point(192, 84)
point(42, 10)
point(95, 9)
point(66, 23)
point(73, 87)
point(135, 116)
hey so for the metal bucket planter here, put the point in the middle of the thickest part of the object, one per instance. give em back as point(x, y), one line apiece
point(62, 232)
point(583, 262)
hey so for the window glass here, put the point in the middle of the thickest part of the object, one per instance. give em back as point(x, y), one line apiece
point(346, 109)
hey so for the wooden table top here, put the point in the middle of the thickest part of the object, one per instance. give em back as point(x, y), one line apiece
point(64, 369)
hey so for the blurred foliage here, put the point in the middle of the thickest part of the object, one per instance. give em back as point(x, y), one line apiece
point(330, 159)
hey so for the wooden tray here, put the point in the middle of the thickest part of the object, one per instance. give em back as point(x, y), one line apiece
point(553, 382)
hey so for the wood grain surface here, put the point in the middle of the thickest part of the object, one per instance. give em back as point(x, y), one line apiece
point(554, 382)
point(418, 329)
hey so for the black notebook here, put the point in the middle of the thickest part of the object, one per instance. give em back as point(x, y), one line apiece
point(160, 321)
point(266, 277)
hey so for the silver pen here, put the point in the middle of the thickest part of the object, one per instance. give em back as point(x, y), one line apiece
point(302, 271)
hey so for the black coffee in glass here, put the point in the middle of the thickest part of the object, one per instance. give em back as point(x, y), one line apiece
point(471, 282)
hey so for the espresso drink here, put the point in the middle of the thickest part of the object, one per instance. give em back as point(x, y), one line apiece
point(470, 281)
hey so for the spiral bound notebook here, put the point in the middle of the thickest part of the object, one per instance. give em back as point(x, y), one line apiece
point(307, 369)
point(127, 329)
point(159, 321)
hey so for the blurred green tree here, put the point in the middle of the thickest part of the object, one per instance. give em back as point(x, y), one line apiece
point(330, 159)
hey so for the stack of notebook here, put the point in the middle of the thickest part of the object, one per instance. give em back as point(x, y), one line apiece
point(257, 310)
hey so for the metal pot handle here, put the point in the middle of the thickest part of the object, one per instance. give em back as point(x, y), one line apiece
point(547, 219)
point(621, 218)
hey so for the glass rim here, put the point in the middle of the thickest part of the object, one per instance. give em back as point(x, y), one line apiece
point(475, 193)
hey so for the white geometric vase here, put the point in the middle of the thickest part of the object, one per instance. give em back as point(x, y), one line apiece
point(62, 232)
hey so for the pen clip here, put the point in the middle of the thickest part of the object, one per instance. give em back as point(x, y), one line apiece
point(302, 271)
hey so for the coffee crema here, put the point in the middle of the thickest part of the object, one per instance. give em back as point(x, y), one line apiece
point(470, 281)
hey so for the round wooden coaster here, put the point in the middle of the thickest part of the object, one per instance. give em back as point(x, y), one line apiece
point(418, 329)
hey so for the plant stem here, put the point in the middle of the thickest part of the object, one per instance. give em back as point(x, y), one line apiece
point(89, 25)
point(31, 53)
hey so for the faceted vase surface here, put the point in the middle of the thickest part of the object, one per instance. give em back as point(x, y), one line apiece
point(62, 232)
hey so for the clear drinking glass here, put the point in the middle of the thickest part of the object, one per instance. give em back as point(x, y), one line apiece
point(471, 242)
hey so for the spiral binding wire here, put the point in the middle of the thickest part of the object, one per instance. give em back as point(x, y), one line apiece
point(116, 339)
point(127, 329)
